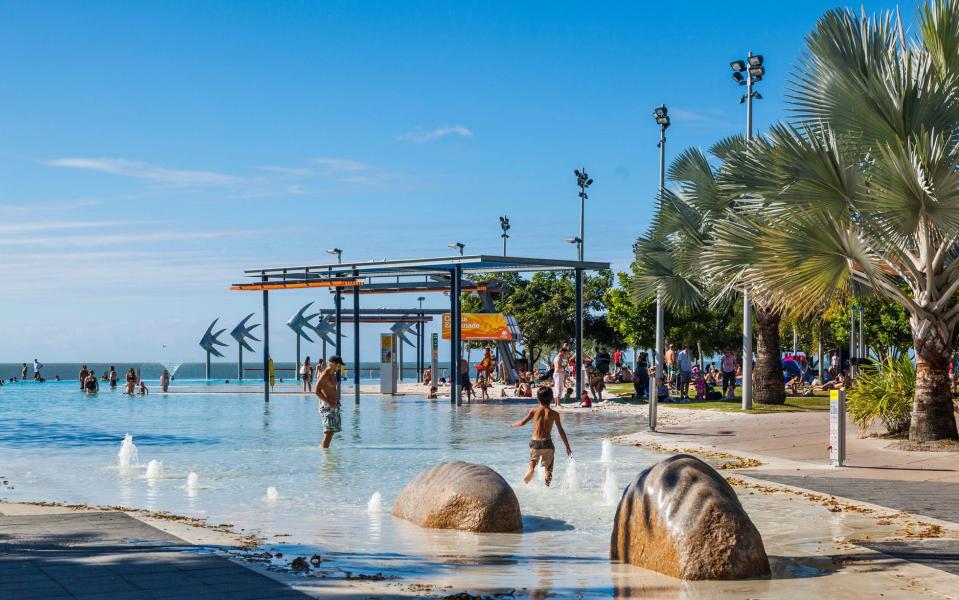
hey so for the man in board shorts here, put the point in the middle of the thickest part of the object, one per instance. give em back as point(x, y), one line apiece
point(541, 449)
point(327, 392)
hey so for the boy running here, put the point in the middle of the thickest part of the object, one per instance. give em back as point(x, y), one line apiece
point(541, 447)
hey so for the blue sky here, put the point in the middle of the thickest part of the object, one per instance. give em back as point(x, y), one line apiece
point(150, 153)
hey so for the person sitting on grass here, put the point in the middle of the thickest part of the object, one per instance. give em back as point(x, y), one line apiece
point(541, 449)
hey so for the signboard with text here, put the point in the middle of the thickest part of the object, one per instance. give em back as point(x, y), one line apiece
point(480, 326)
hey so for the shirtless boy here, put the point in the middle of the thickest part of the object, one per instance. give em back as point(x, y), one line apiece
point(326, 391)
point(541, 443)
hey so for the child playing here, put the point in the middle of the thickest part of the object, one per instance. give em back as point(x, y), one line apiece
point(142, 390)
point(541, 449)
point(569, 394)
point(432, 394)
point(700, 382)
point(587, 402)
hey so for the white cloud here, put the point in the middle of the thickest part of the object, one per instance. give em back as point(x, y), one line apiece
point(141, 170)
point(421, 137)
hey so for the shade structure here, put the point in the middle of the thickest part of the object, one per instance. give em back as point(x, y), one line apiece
point(445, 274)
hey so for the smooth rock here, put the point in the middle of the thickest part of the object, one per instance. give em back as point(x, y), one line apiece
point(680, 517)
point(460, 495)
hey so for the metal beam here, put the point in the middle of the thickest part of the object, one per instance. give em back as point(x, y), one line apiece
point(436, 265)
point(356, 346)
point(266, 345)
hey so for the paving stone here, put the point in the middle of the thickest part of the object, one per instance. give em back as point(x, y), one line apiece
point(936, 499)
point(100, 556)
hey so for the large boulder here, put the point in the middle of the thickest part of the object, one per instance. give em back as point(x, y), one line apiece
point(681, 518)
point(460, 495)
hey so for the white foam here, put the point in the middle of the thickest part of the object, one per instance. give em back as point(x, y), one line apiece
point(192, 481)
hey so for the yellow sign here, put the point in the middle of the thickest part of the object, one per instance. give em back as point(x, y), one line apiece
point(386, 348)
point(480, 326)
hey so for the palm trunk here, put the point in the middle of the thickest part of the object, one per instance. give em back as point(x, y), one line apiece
point(933, 413)
point(768, 387)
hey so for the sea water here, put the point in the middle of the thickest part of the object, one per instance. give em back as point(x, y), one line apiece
point(220, 452)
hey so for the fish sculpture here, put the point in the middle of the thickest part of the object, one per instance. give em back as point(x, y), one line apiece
point(241, 333)
point(209, 341)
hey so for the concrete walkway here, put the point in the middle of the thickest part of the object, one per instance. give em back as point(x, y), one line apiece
point(794, 450)
point(61, 554)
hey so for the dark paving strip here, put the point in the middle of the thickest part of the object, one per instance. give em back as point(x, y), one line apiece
point(938, 554)
point(927, 498)
point(112, 555)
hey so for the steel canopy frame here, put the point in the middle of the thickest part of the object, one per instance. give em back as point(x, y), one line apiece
point(433, 274)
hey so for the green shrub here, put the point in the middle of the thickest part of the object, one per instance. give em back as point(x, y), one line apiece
point(883, 392)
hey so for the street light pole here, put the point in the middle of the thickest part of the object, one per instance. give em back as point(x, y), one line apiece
point(754, 71)
point(583, 181)
point(504, 225)
point(661, 115)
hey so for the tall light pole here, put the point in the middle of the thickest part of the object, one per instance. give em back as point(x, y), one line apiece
point(338, 303)
point(583, 181)
point(661, 115)
point(754, 71)
point(456, 246)
point(504, 225)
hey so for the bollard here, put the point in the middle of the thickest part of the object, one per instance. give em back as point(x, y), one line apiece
point(837, 427)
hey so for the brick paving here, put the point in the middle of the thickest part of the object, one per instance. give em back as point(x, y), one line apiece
point(101, 555)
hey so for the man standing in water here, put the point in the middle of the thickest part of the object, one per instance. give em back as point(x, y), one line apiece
point(541, 447)
point(326, 391)
point(83, 377)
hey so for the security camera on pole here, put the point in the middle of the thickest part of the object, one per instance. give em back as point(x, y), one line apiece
point(754, 71)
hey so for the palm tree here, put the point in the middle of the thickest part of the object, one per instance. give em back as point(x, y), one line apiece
point(862, 188)
point(670, 257)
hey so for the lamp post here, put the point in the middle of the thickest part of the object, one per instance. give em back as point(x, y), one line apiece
point(457, 246)
point(661, 115)
point(754, 71)
point(504, 225)
point(337, 252)
point(583, 181)
point(577, 241)
point(420, 342)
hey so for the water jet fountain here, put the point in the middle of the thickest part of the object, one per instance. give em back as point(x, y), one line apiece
point(607, 455)
point(271, 494)
point(611, 489)
point(375, 505)
point(154, 469)
point(127, 456)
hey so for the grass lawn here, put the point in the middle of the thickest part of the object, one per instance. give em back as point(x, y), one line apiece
point(818, 402)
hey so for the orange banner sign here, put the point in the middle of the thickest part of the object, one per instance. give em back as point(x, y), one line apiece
point(480, 326)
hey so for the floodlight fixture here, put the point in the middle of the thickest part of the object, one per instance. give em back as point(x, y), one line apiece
point(738, 78)
point(757, 72)
point(661, 115)
point(337, 252)
point(504, 223)
point(456, 246)
point(573, 240)
point(755, 60)
point(738, 65)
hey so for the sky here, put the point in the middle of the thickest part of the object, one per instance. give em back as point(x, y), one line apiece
point(150, 152)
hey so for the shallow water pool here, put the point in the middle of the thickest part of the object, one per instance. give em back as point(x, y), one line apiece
point(59, 445)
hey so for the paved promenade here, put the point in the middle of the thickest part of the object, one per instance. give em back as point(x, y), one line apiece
point(60, 554)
